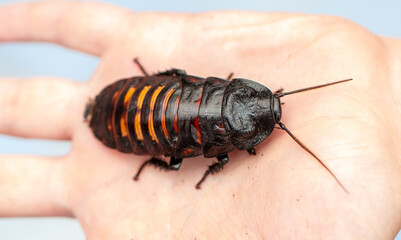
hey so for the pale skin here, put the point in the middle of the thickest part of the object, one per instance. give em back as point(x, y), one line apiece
point(281, 193)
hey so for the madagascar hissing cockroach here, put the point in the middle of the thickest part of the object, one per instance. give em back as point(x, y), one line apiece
point(180, 116)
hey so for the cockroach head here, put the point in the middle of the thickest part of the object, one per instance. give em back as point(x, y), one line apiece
point(250, 112)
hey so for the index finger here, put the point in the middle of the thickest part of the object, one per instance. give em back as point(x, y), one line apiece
point(82, 26)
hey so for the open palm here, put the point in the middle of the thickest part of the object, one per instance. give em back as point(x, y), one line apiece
point(281, 193)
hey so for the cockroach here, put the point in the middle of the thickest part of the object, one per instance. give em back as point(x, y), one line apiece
point(180, 116)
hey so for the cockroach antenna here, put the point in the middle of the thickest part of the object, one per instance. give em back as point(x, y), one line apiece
point(282, 94)
point(282, 126)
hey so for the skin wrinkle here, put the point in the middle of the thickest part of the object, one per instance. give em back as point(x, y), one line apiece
point(9, 102)
point(243, 30)
point(170, 219)
point(171, 43)
point(377, 114)
point(189, 216)
point(395, 73)
point(57, 189)
point(324, 118)
point(252, 231)
point(247, 27)
point(62, 25)
point(372, 114)
point(119, 26)
point(310, 44)
point(395, 53)
point(371, 222)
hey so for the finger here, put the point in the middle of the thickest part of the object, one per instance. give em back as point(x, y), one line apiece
point(31, 186)
point(80, 25)
point(38, 107)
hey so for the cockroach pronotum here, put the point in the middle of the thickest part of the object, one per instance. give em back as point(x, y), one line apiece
point(181, 116)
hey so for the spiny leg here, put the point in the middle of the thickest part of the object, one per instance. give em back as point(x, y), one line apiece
point(153, 161)
point(214, 168)
point(175, 164)
point(140, 67)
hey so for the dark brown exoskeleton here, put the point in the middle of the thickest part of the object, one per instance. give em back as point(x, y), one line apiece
point(180, 116)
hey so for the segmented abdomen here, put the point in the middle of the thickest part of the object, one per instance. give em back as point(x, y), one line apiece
point(140, 115)
point(176, 116)
point(137, 115)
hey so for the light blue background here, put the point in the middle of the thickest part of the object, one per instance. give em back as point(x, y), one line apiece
point(23, 60)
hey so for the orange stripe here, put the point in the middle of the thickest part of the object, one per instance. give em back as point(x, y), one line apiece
point(196, 120)
point(141, 97)
point(116, 96)
point(129, 94)
point(110, 120)
point(196, 123)
point(165, 101)
point(123, 122)
point(175, 121)
point(150, 118)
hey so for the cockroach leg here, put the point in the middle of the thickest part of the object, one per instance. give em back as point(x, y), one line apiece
point(214, 168)
point(175, 164)
point(136, 61)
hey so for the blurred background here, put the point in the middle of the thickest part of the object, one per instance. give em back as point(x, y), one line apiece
point(38, 59)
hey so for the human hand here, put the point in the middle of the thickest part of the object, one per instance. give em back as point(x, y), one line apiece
point(280, 193)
